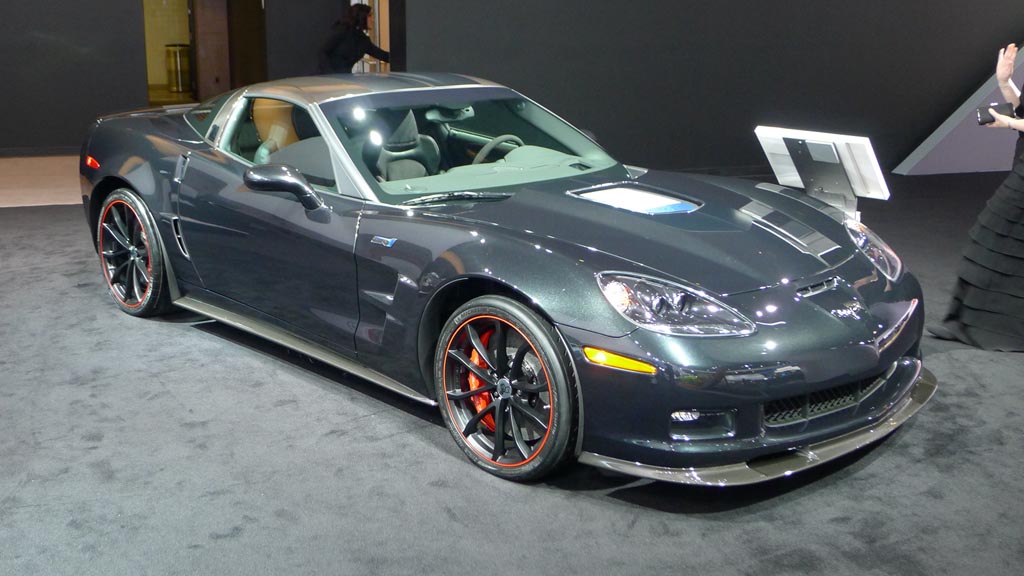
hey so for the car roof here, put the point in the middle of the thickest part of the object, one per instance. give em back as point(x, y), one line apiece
point(316, 89)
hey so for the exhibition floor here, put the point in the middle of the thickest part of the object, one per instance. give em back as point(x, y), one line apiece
point(183, 446)
point(39, 181)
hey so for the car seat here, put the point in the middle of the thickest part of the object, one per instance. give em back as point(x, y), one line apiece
point(406, 153)
point(273, 120)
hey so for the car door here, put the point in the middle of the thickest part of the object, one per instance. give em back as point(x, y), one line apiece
point(265, 250)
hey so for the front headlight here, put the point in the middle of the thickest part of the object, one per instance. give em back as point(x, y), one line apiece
point(669, 308)
point(880, 254)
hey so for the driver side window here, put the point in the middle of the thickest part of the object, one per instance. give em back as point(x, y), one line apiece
point(277, 132)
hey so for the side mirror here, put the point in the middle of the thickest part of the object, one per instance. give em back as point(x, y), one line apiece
point(283, 178)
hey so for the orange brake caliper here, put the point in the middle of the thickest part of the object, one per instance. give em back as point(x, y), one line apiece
point(481, 401)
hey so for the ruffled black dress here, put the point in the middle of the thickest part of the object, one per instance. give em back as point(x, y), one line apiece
point(988, 301)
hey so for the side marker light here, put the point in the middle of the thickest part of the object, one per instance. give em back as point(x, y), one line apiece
point(92, 163)
point(613, 360)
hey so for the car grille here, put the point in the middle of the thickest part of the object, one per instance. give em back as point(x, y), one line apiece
point(787, 411)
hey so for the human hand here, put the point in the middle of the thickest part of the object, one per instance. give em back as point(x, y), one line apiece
point(1001, 120)
point(1004, 65)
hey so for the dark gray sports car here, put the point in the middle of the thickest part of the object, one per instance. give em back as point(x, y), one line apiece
point(455, 242)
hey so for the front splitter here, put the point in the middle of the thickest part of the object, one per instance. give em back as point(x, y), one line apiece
point(786, 463)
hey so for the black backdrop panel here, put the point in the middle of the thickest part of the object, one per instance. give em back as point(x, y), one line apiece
point(682, 84)
point(664, 83)
point(296, 29)
point(62, 63)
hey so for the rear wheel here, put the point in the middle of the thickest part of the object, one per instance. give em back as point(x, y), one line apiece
point(505, 387)
point(130, 255)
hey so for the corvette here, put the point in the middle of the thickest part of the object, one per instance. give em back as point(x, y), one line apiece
point(453, 241)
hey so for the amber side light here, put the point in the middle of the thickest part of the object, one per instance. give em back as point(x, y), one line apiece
point(92, 163)
point(613, 360)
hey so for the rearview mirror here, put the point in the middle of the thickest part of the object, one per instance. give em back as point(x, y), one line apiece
point(283, 178)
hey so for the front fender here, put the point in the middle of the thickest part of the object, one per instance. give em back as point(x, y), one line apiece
point(431, 252)
point(414, 267)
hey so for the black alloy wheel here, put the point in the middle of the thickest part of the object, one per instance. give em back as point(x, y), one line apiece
point(506, 389)
point(130, 256)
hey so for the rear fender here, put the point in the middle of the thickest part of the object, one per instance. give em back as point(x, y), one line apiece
point(148, 170)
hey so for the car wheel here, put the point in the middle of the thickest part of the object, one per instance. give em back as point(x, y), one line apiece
point(506, 390)
point(130, 255)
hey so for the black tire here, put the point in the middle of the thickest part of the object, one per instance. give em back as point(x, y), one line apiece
point(130, 255)
point(527, 389)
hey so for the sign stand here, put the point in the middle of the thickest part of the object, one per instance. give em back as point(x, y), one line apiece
point(833, 168)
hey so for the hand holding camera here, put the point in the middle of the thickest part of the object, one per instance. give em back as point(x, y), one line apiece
point(1003, 113)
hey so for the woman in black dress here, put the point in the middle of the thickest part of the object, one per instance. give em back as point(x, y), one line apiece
point(988, 301)
point(349, 43)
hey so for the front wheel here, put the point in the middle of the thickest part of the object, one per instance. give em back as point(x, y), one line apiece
point(130, 255)
point(505, 386)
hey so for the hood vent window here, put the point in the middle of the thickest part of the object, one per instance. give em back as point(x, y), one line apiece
point(636, 199)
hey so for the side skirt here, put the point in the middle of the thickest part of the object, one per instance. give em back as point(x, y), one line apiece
point(288, 340)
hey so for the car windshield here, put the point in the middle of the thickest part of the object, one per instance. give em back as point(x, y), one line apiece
point(431, 142)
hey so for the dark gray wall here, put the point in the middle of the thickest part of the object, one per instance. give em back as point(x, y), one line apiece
point(669, 83)
point(682, 84)
point(296, 29)
point(64, 62)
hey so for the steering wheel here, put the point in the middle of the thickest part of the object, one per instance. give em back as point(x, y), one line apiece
point(490, 146)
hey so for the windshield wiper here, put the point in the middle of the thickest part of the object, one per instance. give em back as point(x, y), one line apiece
point(448, 196)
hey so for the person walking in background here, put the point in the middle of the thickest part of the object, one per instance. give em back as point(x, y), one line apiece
point(987, 310)
point(349, 43)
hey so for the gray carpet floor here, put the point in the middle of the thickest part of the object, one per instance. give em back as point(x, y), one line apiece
point(182, 446)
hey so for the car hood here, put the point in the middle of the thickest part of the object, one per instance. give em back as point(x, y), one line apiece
point(724, 235)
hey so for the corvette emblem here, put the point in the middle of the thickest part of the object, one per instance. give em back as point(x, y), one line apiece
point(385, 242)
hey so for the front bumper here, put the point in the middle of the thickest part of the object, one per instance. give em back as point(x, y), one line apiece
point(780, 465)
point(821, 370)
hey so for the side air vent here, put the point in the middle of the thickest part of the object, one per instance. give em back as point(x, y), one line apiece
point(808, 291)
point(176, 226)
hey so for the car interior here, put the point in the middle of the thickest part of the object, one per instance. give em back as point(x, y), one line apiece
point(415, 149)
point(277, 132)
point(439, 147)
